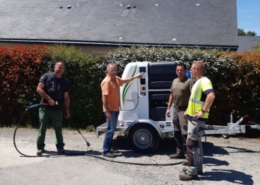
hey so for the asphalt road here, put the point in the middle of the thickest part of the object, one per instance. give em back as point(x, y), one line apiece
point(232, 161)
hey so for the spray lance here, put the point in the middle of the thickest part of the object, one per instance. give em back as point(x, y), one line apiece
point(18, 124)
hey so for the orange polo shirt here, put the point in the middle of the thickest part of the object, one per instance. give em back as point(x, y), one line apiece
point(112, 91)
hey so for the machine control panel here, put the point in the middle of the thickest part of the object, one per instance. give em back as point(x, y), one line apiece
point(143, 81)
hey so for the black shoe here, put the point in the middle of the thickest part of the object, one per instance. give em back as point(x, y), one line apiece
point(114, 151)
point(109, 154)
point(39, 152)
point(61, 151)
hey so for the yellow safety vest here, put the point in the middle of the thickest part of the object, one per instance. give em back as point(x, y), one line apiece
point(198, 97)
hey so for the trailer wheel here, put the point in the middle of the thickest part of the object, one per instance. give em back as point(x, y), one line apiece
point(225, 136)
point(143, 138)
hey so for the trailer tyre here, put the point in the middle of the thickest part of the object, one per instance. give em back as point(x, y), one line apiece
point(143, 138)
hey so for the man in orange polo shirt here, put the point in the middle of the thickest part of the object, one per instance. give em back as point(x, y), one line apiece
point(111, 105)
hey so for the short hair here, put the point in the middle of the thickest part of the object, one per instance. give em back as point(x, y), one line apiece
point(182, 64)
point(59, 62)
point(110, 65)
point(199, 64)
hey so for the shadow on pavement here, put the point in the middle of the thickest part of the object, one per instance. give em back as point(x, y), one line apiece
point(168, 147)
point(209, 149)
point(241, 150)
point(67, 153)
point(165, 147)
point(232, 176)
point(214, 162)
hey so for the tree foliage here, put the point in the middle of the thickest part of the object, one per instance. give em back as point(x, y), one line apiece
point(241, 32)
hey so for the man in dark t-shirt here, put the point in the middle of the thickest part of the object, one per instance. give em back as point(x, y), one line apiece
point(180, 94)
point(53, 87)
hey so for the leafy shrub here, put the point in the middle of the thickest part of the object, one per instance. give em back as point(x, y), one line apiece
point(213, 58)
point(234, 77)
point(19, 67)
point(241, 86)
point(84, 78)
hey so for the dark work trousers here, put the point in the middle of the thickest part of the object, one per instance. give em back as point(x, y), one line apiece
point(180, 128)
point(194, 147)
point(45, 116)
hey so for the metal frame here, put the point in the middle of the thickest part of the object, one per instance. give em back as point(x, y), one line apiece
point(230, 129)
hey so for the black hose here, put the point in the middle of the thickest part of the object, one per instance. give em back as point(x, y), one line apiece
point(16, 128)
point(132, 163)
point(18, 124)
point(80, 153)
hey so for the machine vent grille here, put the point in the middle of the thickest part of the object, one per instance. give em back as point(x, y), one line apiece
point(168, 124)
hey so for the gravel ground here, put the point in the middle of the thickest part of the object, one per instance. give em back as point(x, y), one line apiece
point(227, 161)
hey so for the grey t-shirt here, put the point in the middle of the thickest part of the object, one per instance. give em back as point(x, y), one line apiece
point(181, 91)
point(55, 88)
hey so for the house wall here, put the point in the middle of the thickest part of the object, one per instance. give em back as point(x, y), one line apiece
point(246, 42)
point(83, 48)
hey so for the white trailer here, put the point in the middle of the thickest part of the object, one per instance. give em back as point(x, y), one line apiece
point(143, 107)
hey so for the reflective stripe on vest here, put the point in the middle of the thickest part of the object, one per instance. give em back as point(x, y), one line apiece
point(197, 88)
point(197, 101)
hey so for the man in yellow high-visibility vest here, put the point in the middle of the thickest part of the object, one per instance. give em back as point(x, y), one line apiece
point(197, 113)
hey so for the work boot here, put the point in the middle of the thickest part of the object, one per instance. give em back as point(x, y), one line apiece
point(187, 177)
point(114, 151)
point(185, 162)
point(177, 156)
point(185, 169)
point(39, 152)
point(61, 151)
point(109, 154)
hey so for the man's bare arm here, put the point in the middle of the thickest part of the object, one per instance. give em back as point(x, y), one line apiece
point(132, 78)
point(105, 104)
point(67, 104)
point(209, 101)
point(41, 92)
point(169, 105)
point(170, 101)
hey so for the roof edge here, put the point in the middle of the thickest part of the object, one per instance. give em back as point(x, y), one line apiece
point(116, 44)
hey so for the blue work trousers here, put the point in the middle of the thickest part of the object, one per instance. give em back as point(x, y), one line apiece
point(111, 127)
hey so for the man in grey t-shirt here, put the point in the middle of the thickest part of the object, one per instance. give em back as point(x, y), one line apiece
point(180, 94)
point(54, 89)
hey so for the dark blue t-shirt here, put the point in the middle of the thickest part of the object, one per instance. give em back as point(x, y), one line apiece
point(55, 88)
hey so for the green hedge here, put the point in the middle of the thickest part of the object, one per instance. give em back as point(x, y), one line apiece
point(232, 79)
point(84, 76)
point(221, 67)
point(19, 68)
